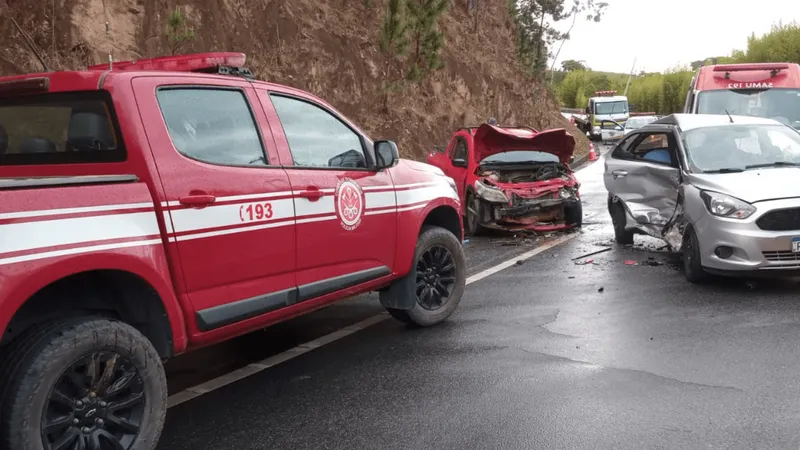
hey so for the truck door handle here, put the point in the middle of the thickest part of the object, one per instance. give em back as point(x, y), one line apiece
point(619, 173)
point(312, 193)
point(197, 200)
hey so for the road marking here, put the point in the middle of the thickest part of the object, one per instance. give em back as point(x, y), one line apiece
point(258, 366)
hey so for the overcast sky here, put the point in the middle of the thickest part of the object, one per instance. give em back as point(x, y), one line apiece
point(663, 33)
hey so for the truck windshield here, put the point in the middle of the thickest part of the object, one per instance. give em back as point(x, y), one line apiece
point(76, 127)
point(741, 147)
point(780, 104)
point(620, 107)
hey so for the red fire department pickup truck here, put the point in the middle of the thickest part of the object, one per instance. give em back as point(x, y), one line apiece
point(162, 205)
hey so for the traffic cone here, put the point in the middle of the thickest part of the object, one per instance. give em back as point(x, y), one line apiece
point(592, 153)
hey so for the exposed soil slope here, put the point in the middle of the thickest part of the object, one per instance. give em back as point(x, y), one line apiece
point(328, 47)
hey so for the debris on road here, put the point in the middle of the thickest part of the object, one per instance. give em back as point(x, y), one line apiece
point(601, 289)
point(582, 263)
point(520, 262)
point(592, 253)
point(652, 262)
point(630, 262)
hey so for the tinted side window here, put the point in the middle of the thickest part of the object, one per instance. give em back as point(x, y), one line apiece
point(461, 150)
point(621, 150)
point(316, 137)
point(61, 128)
point(212, 125)
point(653, 147)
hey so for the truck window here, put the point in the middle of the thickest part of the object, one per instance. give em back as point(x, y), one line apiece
point(316, 137)
point(618, 107)
point(461, 149)
point(62, 128)
point(213, 125)
point(781, 104)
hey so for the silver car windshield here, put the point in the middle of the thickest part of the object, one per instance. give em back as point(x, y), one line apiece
point(734, 148)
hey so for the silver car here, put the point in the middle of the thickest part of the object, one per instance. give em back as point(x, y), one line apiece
point(723, 190)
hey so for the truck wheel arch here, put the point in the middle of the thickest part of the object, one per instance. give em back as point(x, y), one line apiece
point(441, 212)
point(118, 293)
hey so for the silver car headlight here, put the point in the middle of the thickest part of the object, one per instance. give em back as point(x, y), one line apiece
point(722, 205)
point(490, 194)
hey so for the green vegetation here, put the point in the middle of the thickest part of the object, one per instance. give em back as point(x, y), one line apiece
point(394, 45)
point(425, 36)
point(178, 32)
point(411, 24)
point(535, 36)
point(665, 93)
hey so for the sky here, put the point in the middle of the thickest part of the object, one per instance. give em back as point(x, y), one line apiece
point(662, 34)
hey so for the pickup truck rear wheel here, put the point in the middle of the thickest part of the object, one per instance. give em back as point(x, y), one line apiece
point(85, 383)
point(440, 274)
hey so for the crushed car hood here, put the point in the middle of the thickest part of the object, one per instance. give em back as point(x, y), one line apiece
point(752, 185)
point(490, 140)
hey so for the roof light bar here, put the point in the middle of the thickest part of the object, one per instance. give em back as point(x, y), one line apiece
point(605, 93)
point(746, 67)
point(184, 63)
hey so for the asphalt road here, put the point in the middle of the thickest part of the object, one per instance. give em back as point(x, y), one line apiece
point(545, 354)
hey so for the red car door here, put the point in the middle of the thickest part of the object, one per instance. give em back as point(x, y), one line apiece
point(228, 205)
point(460, 155)
point(346, 210)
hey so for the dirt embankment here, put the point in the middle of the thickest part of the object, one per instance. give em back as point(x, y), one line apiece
point(328, 47)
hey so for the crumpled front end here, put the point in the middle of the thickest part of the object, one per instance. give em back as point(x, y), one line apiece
point(548, 204)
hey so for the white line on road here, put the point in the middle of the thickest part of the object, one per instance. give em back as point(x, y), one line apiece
point(253, 368)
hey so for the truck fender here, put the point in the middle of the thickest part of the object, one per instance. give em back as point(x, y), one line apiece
point(401, 294)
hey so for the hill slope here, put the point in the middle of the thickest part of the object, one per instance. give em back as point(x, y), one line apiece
point(328, 47)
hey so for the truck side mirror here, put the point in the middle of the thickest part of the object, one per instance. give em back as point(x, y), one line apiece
point(587, 110)
point(386, 154)
point(571, 159)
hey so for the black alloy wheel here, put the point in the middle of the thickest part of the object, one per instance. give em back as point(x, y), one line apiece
point(436, 277)
point(98, 403)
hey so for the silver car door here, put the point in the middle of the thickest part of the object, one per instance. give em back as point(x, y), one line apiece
point(645, 176)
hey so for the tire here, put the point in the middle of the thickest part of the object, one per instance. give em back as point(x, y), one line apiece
point(573, 214)
point(472, 225)
point(35, 366)
point(692, 265)
point(621, 235)
point(432, 239)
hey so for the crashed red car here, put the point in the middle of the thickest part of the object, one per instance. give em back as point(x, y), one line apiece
point(513, 178)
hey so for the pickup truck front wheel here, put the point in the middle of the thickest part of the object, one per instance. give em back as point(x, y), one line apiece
point(440, 275)
point(85, 383)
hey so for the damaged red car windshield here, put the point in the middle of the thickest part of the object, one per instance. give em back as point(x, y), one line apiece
point(520, 157)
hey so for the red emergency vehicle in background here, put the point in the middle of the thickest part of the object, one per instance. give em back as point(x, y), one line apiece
point(172, 203)
point(770, 90)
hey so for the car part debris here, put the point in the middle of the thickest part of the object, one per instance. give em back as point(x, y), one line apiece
point(630, 262)
point(592, 253)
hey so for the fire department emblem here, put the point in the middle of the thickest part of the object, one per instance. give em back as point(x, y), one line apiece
point(349, 203)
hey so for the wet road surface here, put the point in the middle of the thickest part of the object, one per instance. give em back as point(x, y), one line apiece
point(550, 353)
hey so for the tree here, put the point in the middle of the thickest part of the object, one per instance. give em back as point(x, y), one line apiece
point(393, 44)
point(426, 38)
point(593, 11)
point(535, 35)
point(178, 32)
point(570, 65)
